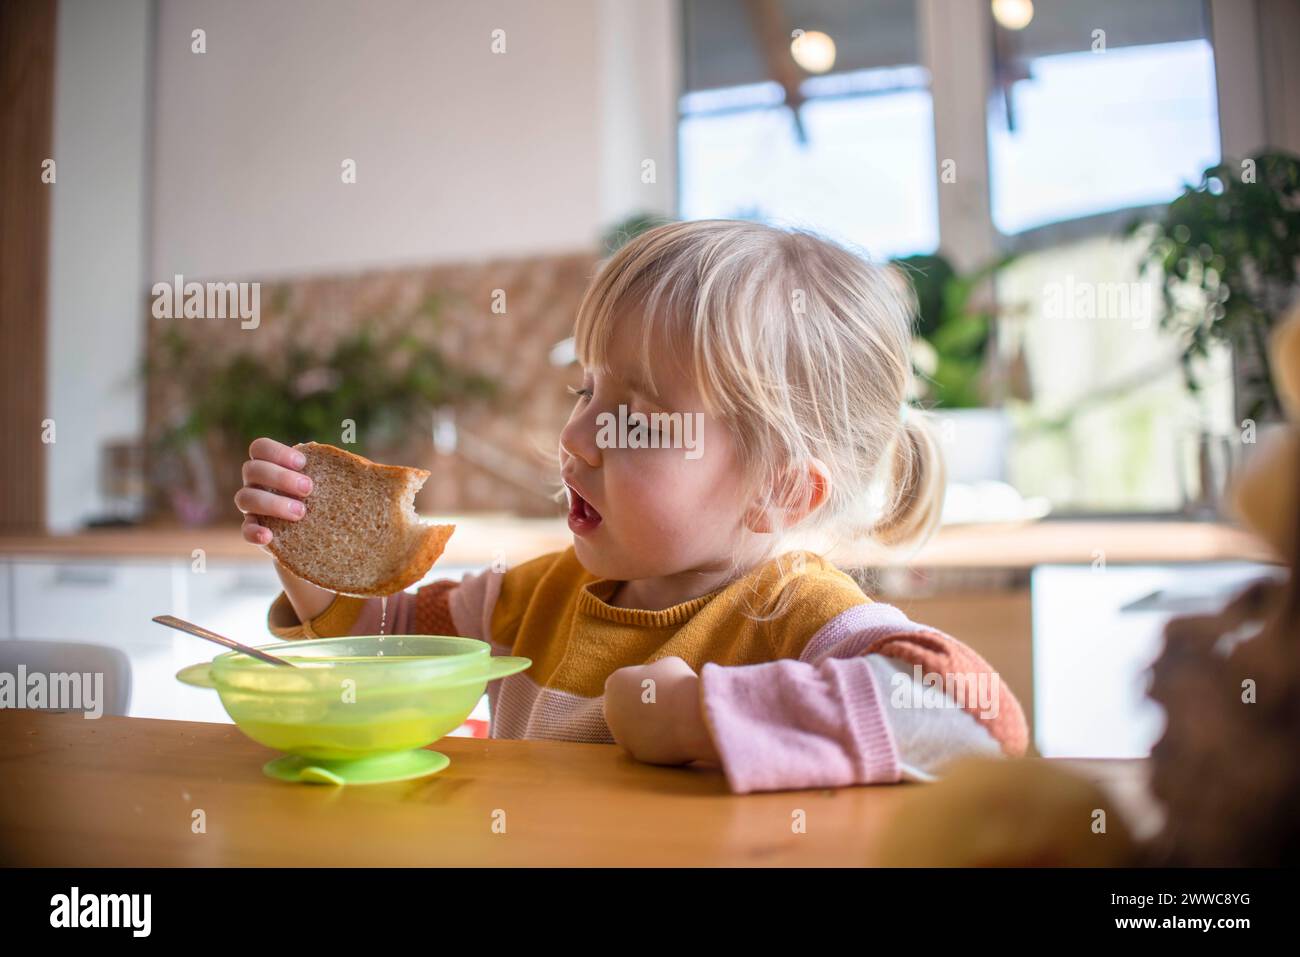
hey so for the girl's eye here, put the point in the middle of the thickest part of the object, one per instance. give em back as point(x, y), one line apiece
point(586, 393)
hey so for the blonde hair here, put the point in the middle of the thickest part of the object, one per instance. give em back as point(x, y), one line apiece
point(803, 349)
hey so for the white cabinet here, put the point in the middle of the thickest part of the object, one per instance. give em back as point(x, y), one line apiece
point(6, 602)
point(100, 602)
point(232, 599)
point(1097, 632)
point(112, 602)
point(105, 603)
point(155, 692)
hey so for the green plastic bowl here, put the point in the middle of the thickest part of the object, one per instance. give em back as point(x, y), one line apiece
point(357, 710)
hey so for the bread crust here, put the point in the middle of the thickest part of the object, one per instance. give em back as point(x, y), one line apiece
point(432, 543)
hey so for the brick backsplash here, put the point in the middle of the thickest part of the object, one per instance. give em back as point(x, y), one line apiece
point(542, 297)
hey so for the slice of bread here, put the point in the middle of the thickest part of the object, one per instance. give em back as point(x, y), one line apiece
point(360, 535)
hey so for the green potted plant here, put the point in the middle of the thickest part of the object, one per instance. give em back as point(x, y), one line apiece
point(383, 377)
point(617, 234)
point(1227, 250)
point(957, 373)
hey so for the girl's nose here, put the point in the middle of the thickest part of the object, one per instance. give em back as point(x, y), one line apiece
point(579, 438)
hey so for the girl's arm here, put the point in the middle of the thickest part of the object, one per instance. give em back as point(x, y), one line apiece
point(442, 607)
point(872, 698)
point(424, 612)
point(308, 600)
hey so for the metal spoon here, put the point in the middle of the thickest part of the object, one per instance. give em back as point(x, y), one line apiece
point(180, 624)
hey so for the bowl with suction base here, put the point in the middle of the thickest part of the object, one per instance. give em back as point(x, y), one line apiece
point(355, 710)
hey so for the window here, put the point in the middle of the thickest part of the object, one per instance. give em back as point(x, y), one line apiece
point(857, 164)
point(1097, 112)
point(1076, 133)
point(1062, 161)
point(1110, 425)
point(1103, 124)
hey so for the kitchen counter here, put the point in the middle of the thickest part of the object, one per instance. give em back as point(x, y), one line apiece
point(482, 538)
point(477, 541)
point(125, 791)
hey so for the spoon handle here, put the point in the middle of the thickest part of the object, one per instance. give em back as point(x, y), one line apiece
point(180, 624)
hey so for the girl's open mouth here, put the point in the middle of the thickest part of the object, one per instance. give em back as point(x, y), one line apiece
point(583, 517)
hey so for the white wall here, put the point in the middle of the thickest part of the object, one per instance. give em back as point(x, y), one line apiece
point(461, 153)
point(98, 225)
point(227, 164)
point(640, 68)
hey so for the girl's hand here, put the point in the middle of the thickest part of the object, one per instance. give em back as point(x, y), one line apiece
point(273, 485)
point(666, 728)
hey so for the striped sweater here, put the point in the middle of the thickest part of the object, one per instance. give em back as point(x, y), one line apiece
point(837, 690)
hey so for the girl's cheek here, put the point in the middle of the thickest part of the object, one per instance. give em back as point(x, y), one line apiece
point(648, 481)
point(633, 475)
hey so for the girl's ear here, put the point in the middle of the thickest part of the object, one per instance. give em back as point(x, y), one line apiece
point(808, 494)
point(819, 478)
point(819, 486)
point(756, 518)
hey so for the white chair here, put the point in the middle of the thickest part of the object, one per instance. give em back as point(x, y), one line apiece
point(73, 657)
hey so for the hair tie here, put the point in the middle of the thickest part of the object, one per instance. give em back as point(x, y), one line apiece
point(902, 413)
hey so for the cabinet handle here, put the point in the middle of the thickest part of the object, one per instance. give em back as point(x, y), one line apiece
point(74, 575)
point(252, 586)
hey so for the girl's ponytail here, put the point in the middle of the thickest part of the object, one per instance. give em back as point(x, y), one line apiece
point(918, 478)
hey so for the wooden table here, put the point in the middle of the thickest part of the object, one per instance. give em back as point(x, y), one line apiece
point(123, 791)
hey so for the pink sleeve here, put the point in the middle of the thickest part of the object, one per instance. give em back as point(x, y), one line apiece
point(397, 616)
point(444, 606)
point(471, 605)
point(426, 611)
point(825, 720)
point(789, 724)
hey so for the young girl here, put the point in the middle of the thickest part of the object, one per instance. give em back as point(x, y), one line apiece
point(691, 563)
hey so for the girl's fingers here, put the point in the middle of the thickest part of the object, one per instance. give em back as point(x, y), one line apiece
point(255, 533)
point(276, 477)
point(270, 450)
point(261, 502)
point(273, 483)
